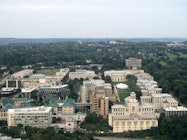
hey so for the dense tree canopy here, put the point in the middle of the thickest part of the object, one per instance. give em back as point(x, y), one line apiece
point(166, 64)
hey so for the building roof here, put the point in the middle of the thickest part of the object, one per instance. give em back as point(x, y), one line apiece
point(69, 102)
point(147, 105)
point(27, 90)
point(36, 76)
point(122, 86)
point(27, 104)
point(8, 105)
point(11, 101)
point(3, 109)
point(147, 117)
point(20, 99)
point(40, 109)
point(118, 106)
point(54, 102)
point(179, 108)
point(6, 101)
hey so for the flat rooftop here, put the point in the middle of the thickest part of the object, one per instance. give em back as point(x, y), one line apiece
point(179, 108)
point(40, 109)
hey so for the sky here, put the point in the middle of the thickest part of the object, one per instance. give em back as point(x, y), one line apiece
point(93, 18)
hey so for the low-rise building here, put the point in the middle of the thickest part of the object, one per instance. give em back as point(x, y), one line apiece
point(65, 109)
point(120, 75)
point(22, 74)
point(47, 92)
point(179, 111)
point(13, 83)
point(27, 92)
point(40, 117)
point(133, 63)
point(82, 74)
point(6, 104)
point(62, 72)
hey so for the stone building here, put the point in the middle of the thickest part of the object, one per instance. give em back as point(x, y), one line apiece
point(98, 94)
point(132, 115)
point(133, 63)
point(179, 111)
point(65, 109)
point(120, 75)
point(82, 74)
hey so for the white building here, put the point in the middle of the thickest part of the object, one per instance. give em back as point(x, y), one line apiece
point(40, 117)
point(27, 92)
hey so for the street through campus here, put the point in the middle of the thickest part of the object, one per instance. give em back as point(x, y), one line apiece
point(116, 138)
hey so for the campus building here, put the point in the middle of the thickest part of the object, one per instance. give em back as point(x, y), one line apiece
point(82, 74)
point(132, 116)
point(133, 63)
point(27, 92)
point(47, 92)
point(40, 117)
point(6, 104)
point(88, 86)
point(35, 80)
point(120, 75)
point(22, 74)
point(65, 109)
point(98, 94)
point(179, 111)
point(162, 102)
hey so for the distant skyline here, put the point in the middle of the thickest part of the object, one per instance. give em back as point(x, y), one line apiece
point(93, 18)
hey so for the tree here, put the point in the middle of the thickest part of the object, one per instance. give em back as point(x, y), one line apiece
point(108, 79)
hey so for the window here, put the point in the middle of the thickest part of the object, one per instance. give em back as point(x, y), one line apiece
point(133, 109)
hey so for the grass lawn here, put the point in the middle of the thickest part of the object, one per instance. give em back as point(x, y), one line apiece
point(123, 93)
point(48, 71)
point(183, 55)
point(171, 56)
point(163, 63)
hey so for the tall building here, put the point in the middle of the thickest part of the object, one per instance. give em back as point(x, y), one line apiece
point(98, 94)
point(133, 63)
point(86, 89)
point(99, 101)
point(132, 116)
point(40, 117)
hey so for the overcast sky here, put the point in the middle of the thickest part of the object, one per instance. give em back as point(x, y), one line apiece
point(93, 18)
